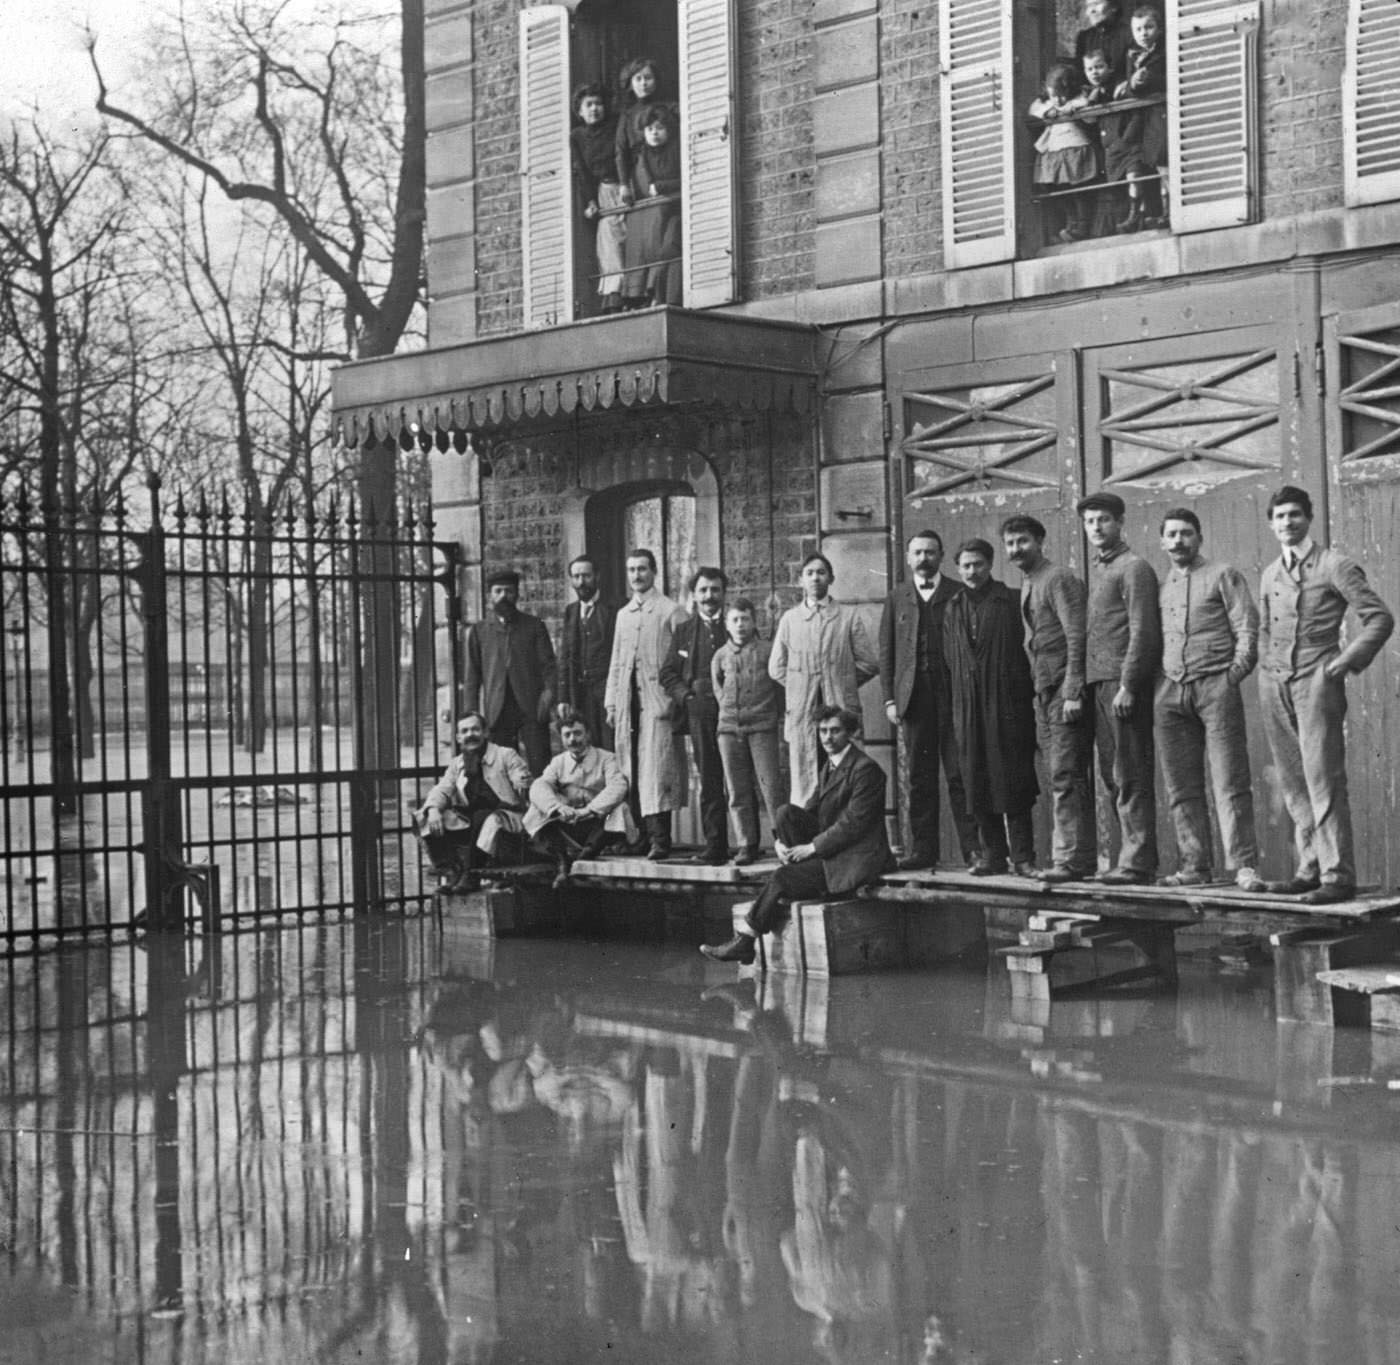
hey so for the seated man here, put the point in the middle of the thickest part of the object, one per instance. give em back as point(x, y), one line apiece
point(480, 798)
point(578, 805)
point(833, 845)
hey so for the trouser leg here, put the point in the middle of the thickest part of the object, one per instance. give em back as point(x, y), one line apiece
point(795, 825)
point(704, 744)
point(1183, 743)
point(1281, 730)
point(1126, 763)
point(921, 746)
point(991, 828)
point(804, 881)
point(763, 750)
point(1321, 706)
point(534, 743)
point(1066, 748)
point(1020, 835)
point(739, 777)
point(590, 706)
point(446, 850)
point(633, 760)
point(1227, 748)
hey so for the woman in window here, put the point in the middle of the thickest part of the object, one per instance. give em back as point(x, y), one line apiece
point(596, 187)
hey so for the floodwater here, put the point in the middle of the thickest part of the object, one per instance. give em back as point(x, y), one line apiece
point(381, 1141)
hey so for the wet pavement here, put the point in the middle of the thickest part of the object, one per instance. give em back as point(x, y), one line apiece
point(382, 1141)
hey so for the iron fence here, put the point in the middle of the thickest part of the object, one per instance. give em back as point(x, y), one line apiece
point(202, 700)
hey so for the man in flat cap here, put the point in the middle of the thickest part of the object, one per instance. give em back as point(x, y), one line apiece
point(1304, 595)
point(1122, 653)
point(510, 673)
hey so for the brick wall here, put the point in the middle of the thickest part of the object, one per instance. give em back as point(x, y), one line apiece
point(499, 279)
point(767, 487)
point(909, 117)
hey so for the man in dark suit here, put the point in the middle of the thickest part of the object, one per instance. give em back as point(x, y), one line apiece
point(510, 672)
point(916, 697)
point(686, 678)
point(585, 650)
point(829, 848)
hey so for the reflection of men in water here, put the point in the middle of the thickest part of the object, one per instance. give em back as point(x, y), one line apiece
point(831, 846)
point(476, 807)
point(579, 804)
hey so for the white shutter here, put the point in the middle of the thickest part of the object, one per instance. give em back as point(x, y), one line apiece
point(1212, 112)
point(546, 200)
point(1370, 99)
point(710, 272)
point(977, 130)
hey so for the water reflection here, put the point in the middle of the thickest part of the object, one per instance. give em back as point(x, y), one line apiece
point(374, 1141)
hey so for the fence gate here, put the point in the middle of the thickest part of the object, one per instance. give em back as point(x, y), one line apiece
point(208, 711)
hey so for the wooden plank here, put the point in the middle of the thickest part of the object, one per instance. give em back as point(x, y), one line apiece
point(1370, 979)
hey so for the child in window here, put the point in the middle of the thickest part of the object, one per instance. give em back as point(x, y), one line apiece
point(653, 245)
point(1065, 155)
point(1099, 86)
point(1145, 130)
point(593, 146)
point(750, 712)
point(639, 86)
point(1104, 31)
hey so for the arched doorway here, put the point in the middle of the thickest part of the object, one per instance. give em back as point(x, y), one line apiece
point(659, 517)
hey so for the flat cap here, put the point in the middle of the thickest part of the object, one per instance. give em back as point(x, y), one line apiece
point(503, 576)
point(1102, 502)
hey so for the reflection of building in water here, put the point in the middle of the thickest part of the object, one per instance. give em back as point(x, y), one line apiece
point(372, 1164)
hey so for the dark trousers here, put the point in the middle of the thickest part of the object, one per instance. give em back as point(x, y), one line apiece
point(588, 702)
point(1011, 836)
point(929, 740)
point(804, 881)
point(702, 714)
point(580, 838)
point(526, 734)
point(455, 849)
point(1127, 765)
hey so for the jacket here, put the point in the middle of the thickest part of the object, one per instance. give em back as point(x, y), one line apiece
point(583, 663)
point(1300, 626)
point(749, 700)
point(1209, 622)
point(518, 654)
point(506, 773)
point(1124, 644)
point(595, 782)
point(1053, 607)
point(686, 672)
point(899, 639)
point(850, 811)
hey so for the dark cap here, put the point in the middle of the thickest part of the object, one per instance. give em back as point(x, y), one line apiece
point(503, 576)
point(1102, 502)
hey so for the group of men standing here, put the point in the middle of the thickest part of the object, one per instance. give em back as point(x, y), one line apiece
point(981, 676)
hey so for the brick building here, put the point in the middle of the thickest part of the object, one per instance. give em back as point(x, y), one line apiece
point(880, 331)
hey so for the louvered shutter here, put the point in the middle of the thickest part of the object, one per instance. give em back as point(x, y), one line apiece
point(977, 129)
point(1370, 99)
point(1212, 113)
point(710, 270)
point(547, 220)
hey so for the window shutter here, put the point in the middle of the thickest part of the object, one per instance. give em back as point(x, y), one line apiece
point(546, 200)
point(1370, 98)
point(1212, 107)
point(710, 270)
point(977, 131)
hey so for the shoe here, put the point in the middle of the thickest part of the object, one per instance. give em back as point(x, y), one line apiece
point(1068, 235)
point(739, 949)
point(1124, 876)
point(1294, 886)
point(1028, 869)
point(985, 867)
point(1061, 873)
point(1185, 877)
point(658, 852)
point(1247, 879)
point(746, 855)
point(562, 868)
point(918, 862)
point(1131, 223)
point(1330, 893)
point(710, 857)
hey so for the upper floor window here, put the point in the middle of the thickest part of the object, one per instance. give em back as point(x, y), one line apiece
point(1136, 117)
point(1370, 90)
point(613, 221)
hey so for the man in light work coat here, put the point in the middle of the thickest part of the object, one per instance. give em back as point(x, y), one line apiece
point(510, 673)
point(1210, 644)
point(1303, 596)
point(916, 697)
point(651, 753)
point(821, 655)
point(1121, 655)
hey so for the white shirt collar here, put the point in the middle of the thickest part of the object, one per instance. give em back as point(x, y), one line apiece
point(836, 760)
point(635, 603)
point(811, 609)
point(925, 592)
point(1295, 554)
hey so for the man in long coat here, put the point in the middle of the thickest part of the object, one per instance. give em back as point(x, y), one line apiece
point(993, 704)
point(510, 672)
point(821, 655)
point(651, 753)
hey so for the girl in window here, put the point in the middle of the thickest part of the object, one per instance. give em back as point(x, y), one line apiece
point(639, 88)
point(1145, 132)
point(1065, 156)
point(596, 187)
point(653, 246)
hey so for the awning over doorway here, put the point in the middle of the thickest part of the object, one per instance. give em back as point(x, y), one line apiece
point(660, 356)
